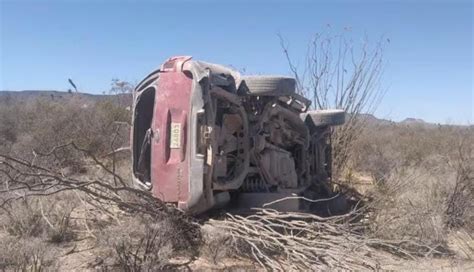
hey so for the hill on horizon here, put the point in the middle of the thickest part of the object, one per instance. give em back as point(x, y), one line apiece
point(23, 96)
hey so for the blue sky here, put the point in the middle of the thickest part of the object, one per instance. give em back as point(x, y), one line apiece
point(429, 67)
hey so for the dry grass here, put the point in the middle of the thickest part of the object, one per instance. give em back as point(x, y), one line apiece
point(26, 254)
point(423, 178)
point(58, 189)
point(138, 244)
point(38, 126)
point(422, 193)
point(47, 218)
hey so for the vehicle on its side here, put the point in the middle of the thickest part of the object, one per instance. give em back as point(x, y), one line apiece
point(204, 135)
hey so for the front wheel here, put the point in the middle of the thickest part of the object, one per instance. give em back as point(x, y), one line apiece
point(332, 117)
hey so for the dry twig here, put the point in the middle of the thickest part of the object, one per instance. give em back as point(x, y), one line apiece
point(301, 241)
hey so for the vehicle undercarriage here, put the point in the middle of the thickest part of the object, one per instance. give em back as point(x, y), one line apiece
point(244, 140)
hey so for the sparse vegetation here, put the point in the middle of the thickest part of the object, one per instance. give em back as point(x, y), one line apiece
point(38, 126)
point(62, 195)
point(422, 180)
point(60, 188)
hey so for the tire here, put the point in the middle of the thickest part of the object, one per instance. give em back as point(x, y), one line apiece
point(327, 117)
point(269, 85)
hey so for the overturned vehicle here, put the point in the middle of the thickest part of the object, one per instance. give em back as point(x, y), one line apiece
point(204, 136)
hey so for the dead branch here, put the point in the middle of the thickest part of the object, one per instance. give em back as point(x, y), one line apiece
point(21, 179)
point(300, 241)
point(118, 150)
point(300, 198)
point(339, 73)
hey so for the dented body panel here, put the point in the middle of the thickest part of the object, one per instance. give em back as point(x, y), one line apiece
point(169, 150)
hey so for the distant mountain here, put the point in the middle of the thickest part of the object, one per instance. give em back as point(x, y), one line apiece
point(409, 121)
point(32, 95)
point(370, 119)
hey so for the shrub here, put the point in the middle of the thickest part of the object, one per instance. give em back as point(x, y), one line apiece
point(143, 243)
point(423, 176)
point(29, 254)
point(40, 125)
point(410, 205)
point(41, 217)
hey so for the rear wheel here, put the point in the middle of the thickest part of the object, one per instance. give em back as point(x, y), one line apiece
point(269, 85)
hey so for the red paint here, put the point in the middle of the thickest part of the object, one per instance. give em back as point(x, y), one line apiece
point(170, 167)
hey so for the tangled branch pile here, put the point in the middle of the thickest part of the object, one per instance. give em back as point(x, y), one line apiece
point(300, 241)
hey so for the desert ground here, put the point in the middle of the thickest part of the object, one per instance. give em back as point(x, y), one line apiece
point(67, 204)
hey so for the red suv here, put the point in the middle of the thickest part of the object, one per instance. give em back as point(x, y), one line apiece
point(204, 135)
